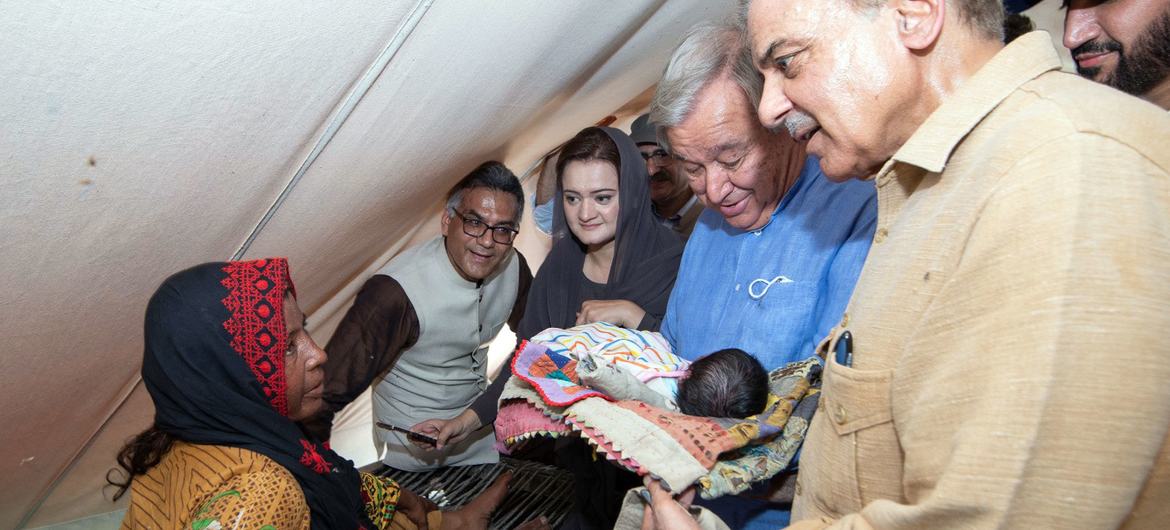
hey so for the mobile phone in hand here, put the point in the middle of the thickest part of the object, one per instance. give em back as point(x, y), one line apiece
point(411, 435)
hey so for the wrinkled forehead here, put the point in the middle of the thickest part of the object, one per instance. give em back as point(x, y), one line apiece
point(783, 24)
point(723, 120)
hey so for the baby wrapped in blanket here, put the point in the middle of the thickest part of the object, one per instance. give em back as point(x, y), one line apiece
point(547, 397)
point(626, 364)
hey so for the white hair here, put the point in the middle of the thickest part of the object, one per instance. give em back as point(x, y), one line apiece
point(708, 51)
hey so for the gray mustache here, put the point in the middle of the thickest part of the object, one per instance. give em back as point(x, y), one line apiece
point(795, 121)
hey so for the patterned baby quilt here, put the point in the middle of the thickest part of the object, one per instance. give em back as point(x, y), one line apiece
point(724, 456)
point(549, 362)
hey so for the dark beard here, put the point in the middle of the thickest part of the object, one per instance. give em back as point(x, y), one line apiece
point(1144, 67)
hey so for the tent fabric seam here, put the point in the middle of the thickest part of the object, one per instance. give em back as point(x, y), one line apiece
point(339, 118)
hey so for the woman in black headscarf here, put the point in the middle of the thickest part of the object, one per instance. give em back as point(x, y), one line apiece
point(611, 260)
point(230, 369)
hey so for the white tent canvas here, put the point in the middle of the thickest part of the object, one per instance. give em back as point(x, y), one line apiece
point(140, 137)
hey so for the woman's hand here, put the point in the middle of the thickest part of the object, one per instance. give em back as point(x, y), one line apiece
point(664, 512)
point(621, 312)
point(415, 508)
point(449, 431)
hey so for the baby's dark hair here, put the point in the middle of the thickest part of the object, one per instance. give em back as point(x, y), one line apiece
point(726, 384)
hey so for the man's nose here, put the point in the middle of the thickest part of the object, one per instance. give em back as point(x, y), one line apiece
point(485, 239)
point(1080, 26)
point(774, 103)
point(718, 184)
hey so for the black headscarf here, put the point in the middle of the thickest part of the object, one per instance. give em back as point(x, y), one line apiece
point(645, 260)
point(214, 366)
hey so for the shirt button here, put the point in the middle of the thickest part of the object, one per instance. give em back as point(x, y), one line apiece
point(881, 235)
point(839, 415)
point(845, 320)
point(737, 287)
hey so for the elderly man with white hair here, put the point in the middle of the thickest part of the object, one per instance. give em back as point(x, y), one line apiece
point(773, 259)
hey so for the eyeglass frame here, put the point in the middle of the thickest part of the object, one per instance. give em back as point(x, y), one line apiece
point(466, 219)
point(657, 153)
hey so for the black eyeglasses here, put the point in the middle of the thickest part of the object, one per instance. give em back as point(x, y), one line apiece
point(657, 154)
point(475, 227)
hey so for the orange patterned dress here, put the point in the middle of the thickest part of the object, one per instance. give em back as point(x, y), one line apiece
point(211, 487)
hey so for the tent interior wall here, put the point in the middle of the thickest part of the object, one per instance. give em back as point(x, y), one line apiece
point(142, 136)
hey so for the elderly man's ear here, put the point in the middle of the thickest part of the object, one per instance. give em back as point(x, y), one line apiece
point(919, 21)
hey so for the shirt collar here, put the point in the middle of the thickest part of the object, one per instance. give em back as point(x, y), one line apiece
point(1021, 61)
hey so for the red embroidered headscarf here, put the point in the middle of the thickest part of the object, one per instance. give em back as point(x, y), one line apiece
point(214, 366)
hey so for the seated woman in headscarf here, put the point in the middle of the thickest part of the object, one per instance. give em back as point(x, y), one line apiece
point(230, 369)
point(612, 261)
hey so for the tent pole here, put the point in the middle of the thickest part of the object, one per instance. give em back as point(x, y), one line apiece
point(363, 86)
